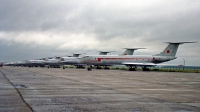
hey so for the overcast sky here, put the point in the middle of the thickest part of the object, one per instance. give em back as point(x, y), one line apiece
point(31, 29)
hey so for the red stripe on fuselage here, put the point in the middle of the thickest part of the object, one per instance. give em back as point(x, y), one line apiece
point(100, 59)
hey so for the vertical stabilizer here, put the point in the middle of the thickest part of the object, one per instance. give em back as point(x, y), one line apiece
point(172, 48)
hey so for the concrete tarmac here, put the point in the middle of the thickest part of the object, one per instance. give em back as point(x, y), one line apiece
point(78, 90)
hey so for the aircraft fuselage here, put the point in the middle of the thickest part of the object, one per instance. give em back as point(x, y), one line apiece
point(114, 60)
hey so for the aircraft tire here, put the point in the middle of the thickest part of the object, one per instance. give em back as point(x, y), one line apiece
point(107, 68)
point(98, 67)
point(132, 69)
point(146, 69)
point(89, 69)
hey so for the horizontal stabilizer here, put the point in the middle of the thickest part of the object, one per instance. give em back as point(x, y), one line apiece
point(77, 54)
point(134, 48)
point(130, 51)
point(105, 52)
point(180, 42)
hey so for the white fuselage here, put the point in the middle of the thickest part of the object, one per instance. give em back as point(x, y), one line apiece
point(119, 60)
point(52, 62)
point(70, 60)
point(35, 62)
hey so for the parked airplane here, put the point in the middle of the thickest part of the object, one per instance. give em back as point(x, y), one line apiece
point(20, 63)
point(16, 64)
point(71, 61)
point(53, 62)
point(128, 51)
point(9, 64)
point(36, 63)
point(74, 60)
point(132, 61)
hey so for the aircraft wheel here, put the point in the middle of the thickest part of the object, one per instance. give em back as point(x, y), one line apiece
point(106, 68)
point(146, 69)
point(89, 69)
point(132, 69)
point(82, 67)
point(98, 67)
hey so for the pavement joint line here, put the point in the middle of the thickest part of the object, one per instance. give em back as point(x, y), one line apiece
point(181, 104)
point(123, 92)
point(18, 92)
point(87, 83)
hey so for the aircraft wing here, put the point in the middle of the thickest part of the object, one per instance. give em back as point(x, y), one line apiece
point(138, 64)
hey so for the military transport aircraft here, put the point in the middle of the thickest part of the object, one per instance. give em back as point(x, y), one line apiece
point(53, 62)
point(74, 60)
point(132, 61)
point(20, 63)
point(16, 64)
point(71, 60)
point(128, 51)
point(36, 63)
point(9, 64)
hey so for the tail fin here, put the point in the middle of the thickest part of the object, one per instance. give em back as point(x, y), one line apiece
point(130, 51)
point(172, 48)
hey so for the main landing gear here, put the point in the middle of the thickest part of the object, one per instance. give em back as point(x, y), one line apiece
point(98, 67)
point(79, 66)
point(105, 67)
point(131, 68)
point(63, 67)
point(89, 68)
point(145, 69)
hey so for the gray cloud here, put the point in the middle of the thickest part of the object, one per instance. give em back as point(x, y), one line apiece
point(70, 25)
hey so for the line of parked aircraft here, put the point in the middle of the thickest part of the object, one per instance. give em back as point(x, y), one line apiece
point(102, 59)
